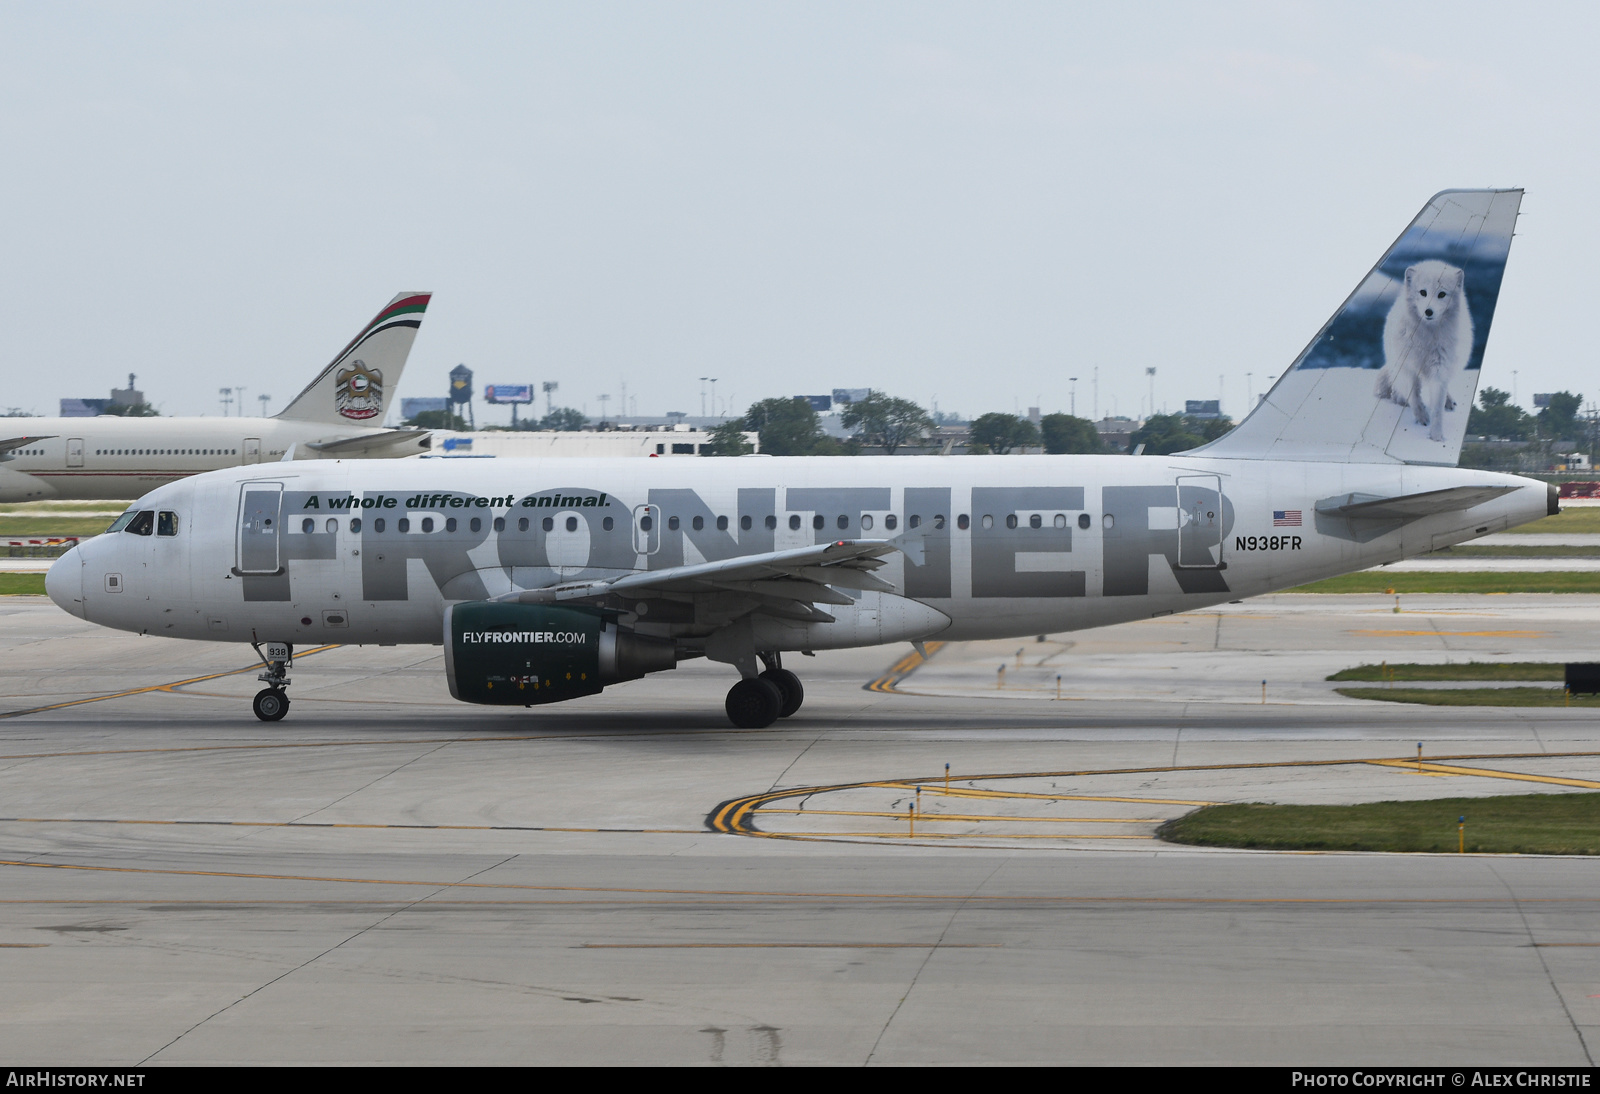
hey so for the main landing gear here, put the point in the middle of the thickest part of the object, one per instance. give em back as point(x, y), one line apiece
point(270, 703)
point(757, 701)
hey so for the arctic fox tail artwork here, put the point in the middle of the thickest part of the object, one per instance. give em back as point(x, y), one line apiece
point(1420, 319)
point(1426, 342)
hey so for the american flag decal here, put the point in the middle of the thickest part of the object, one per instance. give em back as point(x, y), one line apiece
point(1286, 518)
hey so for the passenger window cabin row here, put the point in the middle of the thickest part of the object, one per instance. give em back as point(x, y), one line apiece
point(166, 452)
point(142, 522)
point(891, 522)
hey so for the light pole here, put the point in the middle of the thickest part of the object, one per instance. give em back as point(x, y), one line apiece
point(264, 399)
point(1151, 372)
point(239, 392)
point(549, 386)
point(703, 380)
point(227, 399)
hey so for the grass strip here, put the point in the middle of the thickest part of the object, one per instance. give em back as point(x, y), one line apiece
point(1472, 670)
point(35, 508)
point(1578, 519)
point(1477, 582)
point(1473, 697)
point(1514, 551)
point(21, 584)
point(53, 526)
point(1530, 824)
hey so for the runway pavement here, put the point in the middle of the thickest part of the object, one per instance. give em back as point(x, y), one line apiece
point(390, 876)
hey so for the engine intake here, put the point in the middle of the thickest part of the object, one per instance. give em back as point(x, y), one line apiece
point(523, 654)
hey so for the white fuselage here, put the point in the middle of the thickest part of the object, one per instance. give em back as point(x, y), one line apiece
point(1002, 546)
point(109, 457)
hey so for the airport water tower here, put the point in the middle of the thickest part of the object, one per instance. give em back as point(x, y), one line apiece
point(461, 392)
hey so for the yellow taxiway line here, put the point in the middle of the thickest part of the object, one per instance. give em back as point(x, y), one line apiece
point(823, 895)
point(930, 817)
point(1447, 769)
point(169, 687)
point(903, 668)
point(736, 816)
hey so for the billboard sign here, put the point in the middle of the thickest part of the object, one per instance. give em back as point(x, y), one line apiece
point(508, 393)
point(850, 394)
point(820, 403)
point(1541, 400)
point(1203, 408)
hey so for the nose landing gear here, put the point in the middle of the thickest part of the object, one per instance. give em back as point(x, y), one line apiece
point(270, 703)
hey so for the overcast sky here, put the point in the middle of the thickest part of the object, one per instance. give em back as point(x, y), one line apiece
point(961, 203)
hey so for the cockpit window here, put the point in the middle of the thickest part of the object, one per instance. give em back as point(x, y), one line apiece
point(122, 522)
point(143, 524)
point(166, 524)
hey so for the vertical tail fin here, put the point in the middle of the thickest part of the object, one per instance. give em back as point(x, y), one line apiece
point(1392, 376)
point(357, 388)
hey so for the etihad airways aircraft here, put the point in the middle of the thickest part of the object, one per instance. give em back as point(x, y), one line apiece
point(340, 414)
point(550, 579)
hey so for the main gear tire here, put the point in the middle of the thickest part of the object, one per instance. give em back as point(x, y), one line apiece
point(754, 703)
point(789, 686)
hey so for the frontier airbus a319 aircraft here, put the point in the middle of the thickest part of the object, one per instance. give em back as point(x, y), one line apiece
point(340, 413)
point(547, 580)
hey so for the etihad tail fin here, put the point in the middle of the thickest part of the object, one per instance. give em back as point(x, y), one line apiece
point(358, 387)
point(1392, 376)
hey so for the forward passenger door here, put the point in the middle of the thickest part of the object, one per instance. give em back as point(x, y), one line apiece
point(259, 529)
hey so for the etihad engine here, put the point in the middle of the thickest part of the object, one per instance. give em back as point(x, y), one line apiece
point(522, 654)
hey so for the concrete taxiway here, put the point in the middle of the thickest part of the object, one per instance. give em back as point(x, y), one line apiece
point(390, 876)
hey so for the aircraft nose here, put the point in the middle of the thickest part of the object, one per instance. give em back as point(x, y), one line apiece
point(64, 582)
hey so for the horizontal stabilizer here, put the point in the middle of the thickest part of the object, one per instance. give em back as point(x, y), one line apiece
point(1410, 506)
point(365, 442)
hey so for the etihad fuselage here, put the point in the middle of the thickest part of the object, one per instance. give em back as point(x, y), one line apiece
point(109, 457)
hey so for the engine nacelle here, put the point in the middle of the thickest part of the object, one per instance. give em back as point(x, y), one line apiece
point(523, 654)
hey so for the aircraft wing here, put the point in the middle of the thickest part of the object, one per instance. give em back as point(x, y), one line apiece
point(1410, 506)
point(783, 583)
point(11, 444)
point(366, 441)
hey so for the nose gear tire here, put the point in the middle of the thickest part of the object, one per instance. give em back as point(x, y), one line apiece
point(270, 705)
